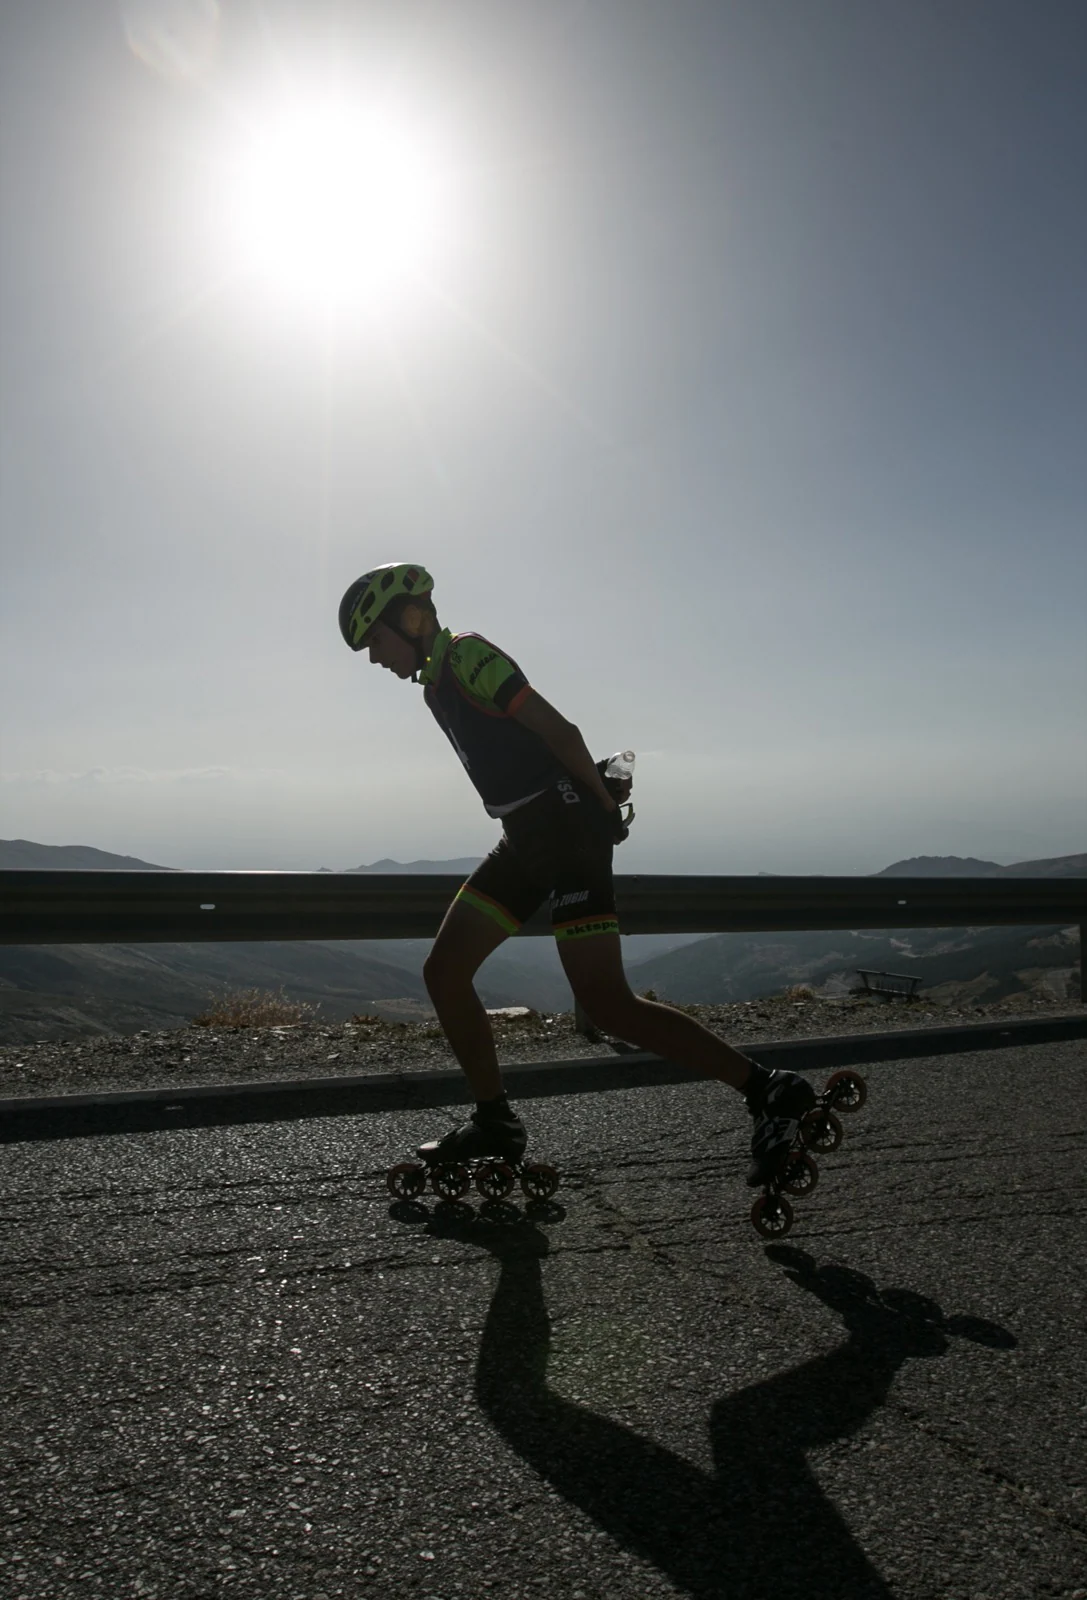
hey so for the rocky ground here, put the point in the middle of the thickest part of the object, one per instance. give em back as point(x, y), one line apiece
point(217, 1054)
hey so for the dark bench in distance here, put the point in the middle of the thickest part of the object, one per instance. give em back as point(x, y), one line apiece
point(890, 983)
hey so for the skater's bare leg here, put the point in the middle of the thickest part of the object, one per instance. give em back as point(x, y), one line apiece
point(594, 967)
point(465, 939)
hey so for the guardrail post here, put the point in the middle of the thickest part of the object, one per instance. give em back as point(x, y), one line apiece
point(583, 1023)
point(1083, 963)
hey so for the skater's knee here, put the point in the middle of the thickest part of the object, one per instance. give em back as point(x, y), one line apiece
point(447, 978)
point(440, 976)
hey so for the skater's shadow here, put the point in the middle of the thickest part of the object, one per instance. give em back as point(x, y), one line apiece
point(760, 1523)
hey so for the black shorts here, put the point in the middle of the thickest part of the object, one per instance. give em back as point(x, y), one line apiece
point(558, 848)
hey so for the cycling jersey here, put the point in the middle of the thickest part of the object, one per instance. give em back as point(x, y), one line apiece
point(473, 689)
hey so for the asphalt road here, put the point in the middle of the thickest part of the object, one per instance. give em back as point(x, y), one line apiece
point(234, 1367)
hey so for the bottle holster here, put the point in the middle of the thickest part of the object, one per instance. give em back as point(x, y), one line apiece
point(615, 787)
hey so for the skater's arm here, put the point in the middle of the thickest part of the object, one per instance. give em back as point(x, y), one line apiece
point(564, 740)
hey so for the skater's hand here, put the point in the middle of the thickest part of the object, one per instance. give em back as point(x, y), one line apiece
point(620, 824)
point(615, 822)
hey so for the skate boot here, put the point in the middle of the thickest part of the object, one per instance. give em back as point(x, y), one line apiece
point(777, 1110)
point(488, 1150)
point(499, 1133)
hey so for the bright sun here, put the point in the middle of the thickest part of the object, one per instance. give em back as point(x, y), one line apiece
point(340, 203)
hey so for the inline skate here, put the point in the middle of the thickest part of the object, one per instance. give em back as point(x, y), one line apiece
point(785, 1166)
point(487, 1151)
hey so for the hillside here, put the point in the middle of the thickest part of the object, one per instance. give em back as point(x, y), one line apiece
point(53, 991)
point(1058, 867)
point(953, 964)
point(23, 855)
point(60, 991)
point(971, 867)
point(940, 867)
point(460, 864)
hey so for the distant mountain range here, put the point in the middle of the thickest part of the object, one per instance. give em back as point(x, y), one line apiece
point(914, 867)
point(16, 854)
point(970, 867)
point(465, 864)
point(59, 991)
point(23, 855)
point(26, 856)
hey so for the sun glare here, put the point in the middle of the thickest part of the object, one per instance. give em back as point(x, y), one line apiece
point(339, 203)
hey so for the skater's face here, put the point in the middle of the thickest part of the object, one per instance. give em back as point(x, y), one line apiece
point(388, 649)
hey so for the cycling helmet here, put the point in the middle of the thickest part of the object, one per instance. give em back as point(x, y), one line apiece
point(371, 594)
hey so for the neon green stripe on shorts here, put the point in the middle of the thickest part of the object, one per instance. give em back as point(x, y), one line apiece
point(489, 907)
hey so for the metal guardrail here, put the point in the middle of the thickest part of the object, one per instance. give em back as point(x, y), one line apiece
point(46, 907)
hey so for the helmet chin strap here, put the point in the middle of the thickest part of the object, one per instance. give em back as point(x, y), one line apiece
point(418, 646)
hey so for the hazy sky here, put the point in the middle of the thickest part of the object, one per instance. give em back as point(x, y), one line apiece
point(725, 362)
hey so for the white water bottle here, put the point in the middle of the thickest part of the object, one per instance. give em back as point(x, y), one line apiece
point(621, 766)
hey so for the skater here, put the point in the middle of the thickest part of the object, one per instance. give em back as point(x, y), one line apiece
point(560, 823)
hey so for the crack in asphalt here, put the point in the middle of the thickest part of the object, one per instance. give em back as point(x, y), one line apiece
point(959, 1448)
point(277, 1267)
point(612, 1214)
point(971, 1219)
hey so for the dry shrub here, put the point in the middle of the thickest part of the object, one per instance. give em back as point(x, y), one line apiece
point(253, 1008)
point(798, 992)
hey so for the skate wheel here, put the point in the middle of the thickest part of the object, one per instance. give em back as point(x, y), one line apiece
point(846, 1090)
point(407, 1180)
point(494, 1180)
point(821, 1130)
point(772, 1216)
point(539, 1181)
point(800, 1175)
point(449, 1182)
